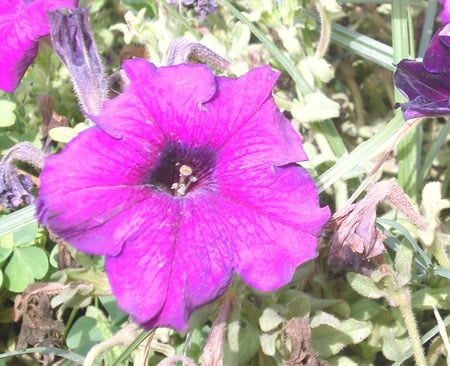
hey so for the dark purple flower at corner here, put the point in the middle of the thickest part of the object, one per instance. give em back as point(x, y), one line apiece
point(16, 189)
point(202, 184)
point(22, 24)
point(427, 84)
point(74, 43)
point(202, 7)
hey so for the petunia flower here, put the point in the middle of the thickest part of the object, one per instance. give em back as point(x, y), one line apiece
point(444, 16)
point(198, 182)
point(22, 24)
point(427, 83)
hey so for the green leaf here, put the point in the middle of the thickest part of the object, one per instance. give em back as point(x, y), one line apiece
point(7, 116)
point(26, 234)
point(403, 264)
point(365, 286)
point(328, 341)
point(6, 247)
point(357, 330)
point(316, 107)
point(115, 314)
point(268, 341)
point(393, 348)
point(83, 335)
point(247, 341)
point(62, 134)
point(270, 320)
point(365, 309)
point(427, 298)
point(25, 265)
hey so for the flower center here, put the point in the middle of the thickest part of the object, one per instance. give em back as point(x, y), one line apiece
point(182, 169)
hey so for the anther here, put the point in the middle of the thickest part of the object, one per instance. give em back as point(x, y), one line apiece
point(186, 179)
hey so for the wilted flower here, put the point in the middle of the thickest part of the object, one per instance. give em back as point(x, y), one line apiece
point(22, 23)
point(427, 83)
point(74, 43)
point(16, 188)
point(356, 239)
point(199, 181)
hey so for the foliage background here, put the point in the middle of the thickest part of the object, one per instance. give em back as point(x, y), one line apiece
point(336, 60)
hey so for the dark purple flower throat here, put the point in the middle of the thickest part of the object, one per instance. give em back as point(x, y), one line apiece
point(182, 169)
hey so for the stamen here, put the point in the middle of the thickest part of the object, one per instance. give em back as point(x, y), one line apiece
point(186, 179)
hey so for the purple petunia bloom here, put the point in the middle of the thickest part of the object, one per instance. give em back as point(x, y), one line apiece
point(444, 16)
point(22, 23)
point(427, 83)
point(199, 182)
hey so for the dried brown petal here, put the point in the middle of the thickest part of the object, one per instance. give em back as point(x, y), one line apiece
point(356, 240)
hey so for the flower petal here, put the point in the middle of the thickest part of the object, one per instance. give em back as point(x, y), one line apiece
point(226, 114)
point(178, 265)
point(259, 224)
point(104, 191)
point(285, 194)
point(170, 96)
point(429, 93)
point(21, 25)
point(437, 55)
point(269, 138)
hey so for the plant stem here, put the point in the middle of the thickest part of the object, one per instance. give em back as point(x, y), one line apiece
point(402, 298)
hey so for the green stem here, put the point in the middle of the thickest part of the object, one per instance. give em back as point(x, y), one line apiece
point(402, 298)
point(325, 31)
point(440, 254)
point(403, 47)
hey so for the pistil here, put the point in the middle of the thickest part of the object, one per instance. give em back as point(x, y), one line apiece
point(185, 180)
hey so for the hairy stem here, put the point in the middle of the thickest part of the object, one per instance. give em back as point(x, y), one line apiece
point(402, 298)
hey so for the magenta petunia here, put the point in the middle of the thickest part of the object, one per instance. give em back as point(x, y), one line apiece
point(198, 182)
point(427, 83)
point(22, 23)
point(444, 16)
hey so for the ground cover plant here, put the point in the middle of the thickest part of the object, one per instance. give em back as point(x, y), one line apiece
point(224, 182)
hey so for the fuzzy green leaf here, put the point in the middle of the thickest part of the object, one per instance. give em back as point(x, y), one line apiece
point(270, 320)
point(365, 286)
point(7, 116)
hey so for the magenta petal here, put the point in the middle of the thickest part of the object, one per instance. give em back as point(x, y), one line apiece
point(21, 25)
point(444, 16)
point(287, 196)
point(105, 191)
point(239, 100)
point(437, 56)
point(177, 263)
point(161, 91)
point(269, 138)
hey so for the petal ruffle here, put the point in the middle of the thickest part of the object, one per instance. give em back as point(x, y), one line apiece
point(234, 105)
point(269, 138)
point(178, 264)
point(268, 249)
point(286, 194)
point(170, 97)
